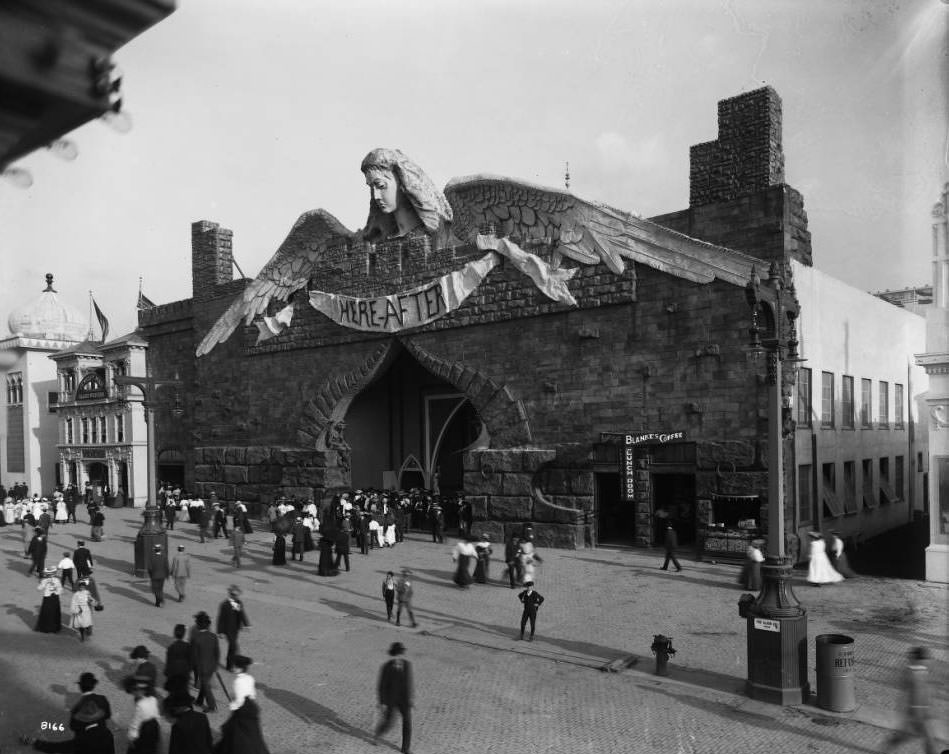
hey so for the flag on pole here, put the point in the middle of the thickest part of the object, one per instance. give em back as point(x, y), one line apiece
point(103, 321)
point(144, 302)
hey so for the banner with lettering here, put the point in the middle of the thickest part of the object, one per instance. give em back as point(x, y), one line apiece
point(412, 308)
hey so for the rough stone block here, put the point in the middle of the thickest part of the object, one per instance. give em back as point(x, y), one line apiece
point(479, 506)
point(549, 512)
point(482, 482)
point(235, 474)
point(257, 454)
point(563, 536)
point(516, 484)
point(509, 508)
point(494, 532)
point(743, 483)
point(581, 483)
point(738, 453)
point(235, 456)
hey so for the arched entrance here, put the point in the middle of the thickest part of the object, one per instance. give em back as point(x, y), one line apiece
point(409, 428)
point(171, 467)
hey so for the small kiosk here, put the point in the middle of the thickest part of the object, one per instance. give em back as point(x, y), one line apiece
point(733, 521)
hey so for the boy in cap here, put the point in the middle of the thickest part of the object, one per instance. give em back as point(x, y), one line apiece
point(531, 600)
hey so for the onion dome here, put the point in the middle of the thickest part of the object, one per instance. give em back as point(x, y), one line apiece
point(48, 317)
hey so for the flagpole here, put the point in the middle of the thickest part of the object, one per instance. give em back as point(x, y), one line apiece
point(89, 336)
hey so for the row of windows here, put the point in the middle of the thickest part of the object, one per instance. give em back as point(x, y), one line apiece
point(92, 431)
point(846, 412)
point(879, 486)
point(14, 388)
point(69, 376)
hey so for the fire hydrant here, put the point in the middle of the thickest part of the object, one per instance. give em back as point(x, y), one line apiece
point(662, 648)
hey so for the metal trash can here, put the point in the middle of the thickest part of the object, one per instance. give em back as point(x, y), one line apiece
point(835, 671)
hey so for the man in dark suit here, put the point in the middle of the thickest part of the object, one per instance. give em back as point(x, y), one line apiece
point(342, 547)
point(205, 657)
point(231, 618)
point(87, 682)
point(298, 537)
point(37, 551)
point(190, 731)
point(532, 600)
point(220, 522)
point(158, 574)
point(670, 543)
point(177, 661)
point(82, 559)
point(395, 693)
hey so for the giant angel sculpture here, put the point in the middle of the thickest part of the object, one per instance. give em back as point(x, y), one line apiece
point(518, 217)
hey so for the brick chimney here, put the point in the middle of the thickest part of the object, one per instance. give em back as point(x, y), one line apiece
point(747, 157)
point(212, 258)
point(737, 194)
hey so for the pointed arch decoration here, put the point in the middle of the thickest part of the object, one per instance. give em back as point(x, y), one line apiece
point(321, 414)
point(504, 415)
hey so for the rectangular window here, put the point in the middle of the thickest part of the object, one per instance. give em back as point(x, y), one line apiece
point(84, 429)
point(897, 405)
point(805, 503)
point(69, 432)
point(804, 397)
point(95, 431)
point(866, 406)
point(869, 493)
point(52, 401)
point(832, 507)
point(884, 417)
point(15, 388)
point(850, 487)
point(102, 433)
point(119, 428)
point(886, 492)
point(827, 399)
point(898, 479)
point(846, 402)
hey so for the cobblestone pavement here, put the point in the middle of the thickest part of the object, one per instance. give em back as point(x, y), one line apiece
point(317, 644)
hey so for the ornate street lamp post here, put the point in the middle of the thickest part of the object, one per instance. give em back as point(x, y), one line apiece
point(152, 532)
point(776, 621)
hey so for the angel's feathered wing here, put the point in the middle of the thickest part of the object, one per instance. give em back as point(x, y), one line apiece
point(587, 232)
point(288, 271)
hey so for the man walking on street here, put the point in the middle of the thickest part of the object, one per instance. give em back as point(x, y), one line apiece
point(158, 573)
point(82, 559)
point(37, 551)
point(532, 600)
point(670, 543)
point(205, 657)
point(917, 715)
point(403, 594)
point(231, 618)
point(204, 522)
point(181, 571)
point(237, 542)
point(395, 693)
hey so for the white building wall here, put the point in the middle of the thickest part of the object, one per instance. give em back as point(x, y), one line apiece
point(42, 425)
point(846, 331)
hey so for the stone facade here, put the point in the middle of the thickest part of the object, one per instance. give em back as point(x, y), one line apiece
point(643, 351)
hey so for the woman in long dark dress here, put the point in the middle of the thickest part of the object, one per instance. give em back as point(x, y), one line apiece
point(463, 555)
point(241, 732)
point(279, 550)
point(50, 620)
point(483, 566)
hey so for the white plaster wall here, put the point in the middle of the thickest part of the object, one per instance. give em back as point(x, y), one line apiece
point(847, 331)
point(39, 379)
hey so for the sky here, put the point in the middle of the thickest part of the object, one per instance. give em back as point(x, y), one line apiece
point(248, 114)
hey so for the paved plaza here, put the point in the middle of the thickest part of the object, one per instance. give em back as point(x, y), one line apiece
point(317, 644)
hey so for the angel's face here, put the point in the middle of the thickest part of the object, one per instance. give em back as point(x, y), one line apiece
point(383, 189)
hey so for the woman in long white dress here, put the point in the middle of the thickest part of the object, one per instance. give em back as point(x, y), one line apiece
point(820, 571)
point(60, 515)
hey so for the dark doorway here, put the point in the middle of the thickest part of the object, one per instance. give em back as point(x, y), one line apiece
point(674, 502)
point(615, 517)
